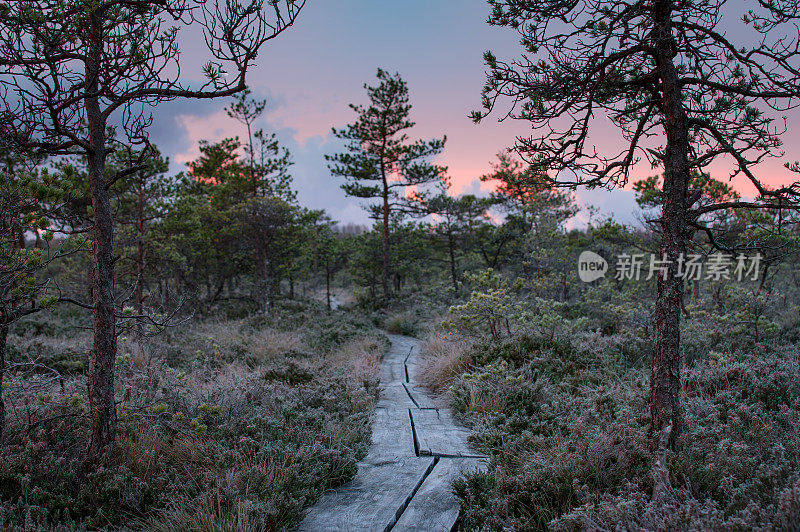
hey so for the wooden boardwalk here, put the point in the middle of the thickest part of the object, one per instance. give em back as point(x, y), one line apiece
point(404, 482)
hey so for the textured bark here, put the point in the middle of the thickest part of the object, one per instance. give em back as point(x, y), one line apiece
point(3, 339)
point(385, 239)
point(104, 350)
point(451, 248)
point(665, 377)
point(140, 251)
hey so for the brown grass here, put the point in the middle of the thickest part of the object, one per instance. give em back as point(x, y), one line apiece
point(482, 402)
point(146, 447)
point(442, 361)
point(360, 360)
point(264, 344)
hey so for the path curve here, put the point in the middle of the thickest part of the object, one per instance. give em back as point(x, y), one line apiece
point(404, 482)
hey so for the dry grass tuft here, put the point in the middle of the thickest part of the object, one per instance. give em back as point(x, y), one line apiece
point(442, 361)
point(482, 402)
point(263, 345)
point(146, 450)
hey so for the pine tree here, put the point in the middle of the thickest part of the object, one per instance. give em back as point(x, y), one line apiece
point(69, 70)
point(682, 93)
point(381, 162)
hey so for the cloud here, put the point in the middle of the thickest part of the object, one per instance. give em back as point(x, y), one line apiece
point(476, 187)
point(309, 82)
point(179, 130)
point(212, 128)
point(171, 130)
point(599, 204)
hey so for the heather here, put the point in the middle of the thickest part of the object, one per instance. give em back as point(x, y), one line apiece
point(207, 232)
point(560, 404)
point(223, 424)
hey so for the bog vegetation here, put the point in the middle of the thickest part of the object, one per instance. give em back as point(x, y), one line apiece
point(196, 350)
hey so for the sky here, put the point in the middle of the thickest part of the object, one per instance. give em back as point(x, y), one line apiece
point(310, 74)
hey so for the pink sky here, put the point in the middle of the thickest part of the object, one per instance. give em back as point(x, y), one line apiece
point(312, 72)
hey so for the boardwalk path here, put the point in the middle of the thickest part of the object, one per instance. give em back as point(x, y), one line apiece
point(404, 483)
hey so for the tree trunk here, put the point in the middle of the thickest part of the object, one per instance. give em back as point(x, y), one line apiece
point(385, 242)
point(665, 377)
point(3, 339)
point(315, 267)
point(104, 350)
point(451, 249)
point(140, 227)
point(253, 176)
point(214, 294)
point(274, 282)
point(328, 283)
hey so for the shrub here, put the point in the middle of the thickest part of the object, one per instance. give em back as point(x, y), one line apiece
point(442, 361)
point(564, 419)
point(402, 323)
point(490, 309)
point(235, 425)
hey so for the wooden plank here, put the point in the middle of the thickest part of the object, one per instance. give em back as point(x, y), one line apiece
point(412, 368)
point(393, 363)
point(438, 435)
point(392, 370)
point(404, 481)
point(395, 396)
point(391, 435)
point(403, 345)
point(373, 500)
point(419, 397)
point(435, 507)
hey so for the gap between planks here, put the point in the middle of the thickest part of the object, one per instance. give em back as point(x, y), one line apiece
point(435, 456)
point(408, 500)
point(405, 367)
